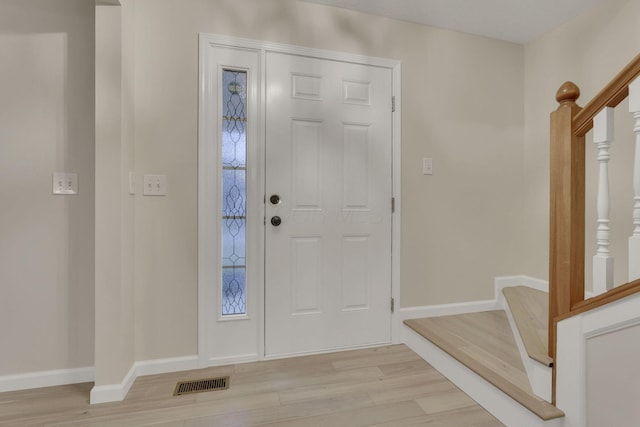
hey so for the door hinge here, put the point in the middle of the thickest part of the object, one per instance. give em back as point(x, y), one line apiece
point(393, 204)
point(393, 104)
point(392, 305)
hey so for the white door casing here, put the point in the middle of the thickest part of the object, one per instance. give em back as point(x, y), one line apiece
point(227, 339)
point(242, 338)
point(328, 159)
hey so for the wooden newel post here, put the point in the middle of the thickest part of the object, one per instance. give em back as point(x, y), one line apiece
point(566, 243)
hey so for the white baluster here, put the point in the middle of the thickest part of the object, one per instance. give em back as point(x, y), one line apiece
point(634, 240)
point(603, 261)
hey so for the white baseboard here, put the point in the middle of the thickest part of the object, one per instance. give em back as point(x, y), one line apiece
point(117, 392)
point(231, 360)
point(113, 392)
point(102, 393)
point(163, 366)
point(446, 309)
point(532, 282)
point(473, 306)
point(45, 379)
point(509, 281)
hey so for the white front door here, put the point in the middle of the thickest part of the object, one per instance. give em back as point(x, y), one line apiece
point(328, 204)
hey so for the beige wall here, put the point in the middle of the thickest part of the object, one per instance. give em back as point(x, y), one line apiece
point(462, 104)
point(589, 51)
point(46, 241)
point(482, 214)
point(114, 244)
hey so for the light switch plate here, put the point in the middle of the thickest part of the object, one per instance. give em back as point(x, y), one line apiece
point(65, 183)
point(155, 185)
point(427, 166)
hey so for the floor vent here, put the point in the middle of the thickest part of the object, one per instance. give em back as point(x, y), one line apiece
point(198, 386)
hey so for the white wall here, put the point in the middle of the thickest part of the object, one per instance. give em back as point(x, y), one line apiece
point(589, 50)
point(46, 241)
point(462, 105)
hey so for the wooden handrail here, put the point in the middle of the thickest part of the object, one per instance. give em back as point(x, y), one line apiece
point(610, 96)
point(608, 297)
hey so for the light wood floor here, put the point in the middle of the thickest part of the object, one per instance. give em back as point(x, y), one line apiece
point(386, 386)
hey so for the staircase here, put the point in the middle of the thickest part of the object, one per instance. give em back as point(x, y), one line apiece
point(502, 358)
point(499, 357)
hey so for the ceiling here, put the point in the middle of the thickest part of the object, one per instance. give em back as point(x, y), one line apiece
point(518, 21)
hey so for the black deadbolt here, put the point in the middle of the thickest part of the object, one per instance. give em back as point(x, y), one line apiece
point(276, 221)
point(274, 199)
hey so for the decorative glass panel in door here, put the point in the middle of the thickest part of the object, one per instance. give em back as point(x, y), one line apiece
point(234, 192)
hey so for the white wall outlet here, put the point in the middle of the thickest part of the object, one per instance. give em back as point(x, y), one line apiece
point(155, 185)
point(427, 166)
point(65, 183)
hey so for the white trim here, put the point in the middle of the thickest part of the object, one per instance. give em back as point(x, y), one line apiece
point(239, 332)
point(261, 171)
point(206, 204)
point(447, 309)
point(497, 303)
point(117, 392)
point(396, 217)
point(539, 374)
point(531, 282)
point(500, 405)
point(113, 392)
point(571, 371)
point(39, 379)
point(104, 393)
point(326, 351)
point(238, 42)
point(163, 366)
point(510, 281)
point(231, 360)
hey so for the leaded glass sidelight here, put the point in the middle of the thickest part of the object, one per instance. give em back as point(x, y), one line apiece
point(234, 192)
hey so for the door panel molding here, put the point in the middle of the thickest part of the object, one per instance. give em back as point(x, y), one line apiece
point(341, 165)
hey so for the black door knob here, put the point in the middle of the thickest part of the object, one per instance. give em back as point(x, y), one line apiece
point(276, 221)
point(274, 199)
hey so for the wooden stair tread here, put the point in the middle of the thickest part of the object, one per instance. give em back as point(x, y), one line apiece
point(529, 308)
point(484, 343)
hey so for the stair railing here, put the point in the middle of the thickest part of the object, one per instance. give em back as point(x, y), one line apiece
point(569, 125)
